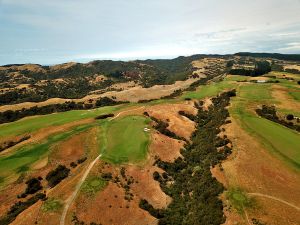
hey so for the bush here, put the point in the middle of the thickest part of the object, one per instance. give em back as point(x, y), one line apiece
point(33, 186)
point(81, 160)
point(19, 207)
point(54, 177)
point(290, 117)
point(104, 116)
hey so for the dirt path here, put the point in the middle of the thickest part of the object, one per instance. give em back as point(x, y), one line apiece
point(86, 173)
point(274, 198)
point(78, 186)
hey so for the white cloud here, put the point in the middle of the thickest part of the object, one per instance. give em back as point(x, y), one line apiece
point(132, 29)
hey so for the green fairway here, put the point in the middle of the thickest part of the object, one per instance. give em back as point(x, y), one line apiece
point(236, 78)
point(255, 92)
point(126, 140)
point(21, 160)
point(279, 139)
point(35, 123)
point(208, 90)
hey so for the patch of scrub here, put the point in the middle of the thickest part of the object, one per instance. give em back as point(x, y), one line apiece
point(126, 140)
point(52, 205)
point(239, 199)
point(92, 185)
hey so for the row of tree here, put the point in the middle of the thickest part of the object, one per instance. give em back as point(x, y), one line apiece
point(188, 180)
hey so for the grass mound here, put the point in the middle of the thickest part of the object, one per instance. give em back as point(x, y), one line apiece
point(52, 205)
point(92, 185)
point(239, 199)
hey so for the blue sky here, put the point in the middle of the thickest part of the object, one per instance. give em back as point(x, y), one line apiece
point(56, 31)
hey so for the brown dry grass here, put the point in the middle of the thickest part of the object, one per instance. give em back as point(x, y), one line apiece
point(181, 125)
point(280, 93)
point(252, 168)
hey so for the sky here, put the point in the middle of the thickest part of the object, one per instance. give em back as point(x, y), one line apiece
point(57, 31)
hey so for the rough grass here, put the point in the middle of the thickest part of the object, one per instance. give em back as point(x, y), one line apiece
point(92, 185)
point(126, 140)
point(52, 205)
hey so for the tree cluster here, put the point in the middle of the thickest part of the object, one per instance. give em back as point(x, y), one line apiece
point(188, 180)
point(19, 207)
point(55, 176)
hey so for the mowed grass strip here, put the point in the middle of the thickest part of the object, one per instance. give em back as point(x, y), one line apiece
point(20, 161)
point(277, 138)
point(126, 140)
point(208, 90)
point(31, 124)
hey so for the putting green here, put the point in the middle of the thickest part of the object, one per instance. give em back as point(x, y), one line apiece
point(126, 139)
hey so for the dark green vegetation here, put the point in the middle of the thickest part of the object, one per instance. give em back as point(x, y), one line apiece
point(55, 176)
point(33, 185)
point(194, 191)
point(288, 57)
point(101, 117)
point(19, 207)
point(260, 68)
point(269, 112)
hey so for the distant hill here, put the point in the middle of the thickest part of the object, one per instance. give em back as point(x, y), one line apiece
point(288, 57)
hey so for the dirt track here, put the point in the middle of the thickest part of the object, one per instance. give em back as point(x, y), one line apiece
point(274, 198)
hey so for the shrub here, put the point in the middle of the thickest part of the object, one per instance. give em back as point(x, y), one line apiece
point(54, 177)
point(290, 117)
point(33, 186)
point(81, 160)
